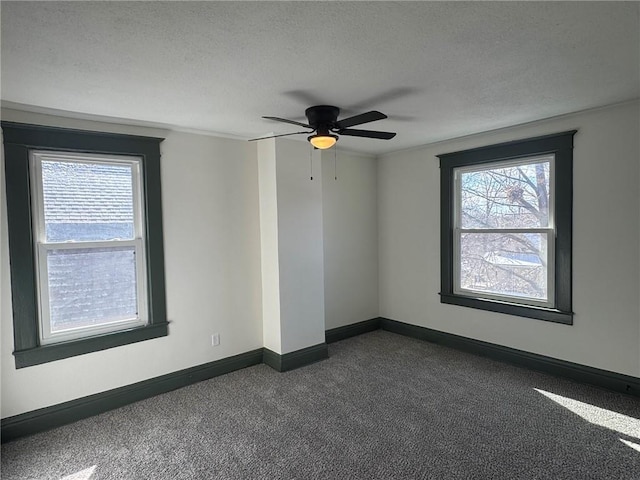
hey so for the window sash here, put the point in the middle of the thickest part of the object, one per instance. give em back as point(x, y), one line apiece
point(549, 231)
point(550, 273)
point(141, 318)
point(42, 247)
point(499, 164)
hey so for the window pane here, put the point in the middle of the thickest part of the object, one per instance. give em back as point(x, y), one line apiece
point(514, 196)
point(89, 287)
point(505, 264)
point(87, 201)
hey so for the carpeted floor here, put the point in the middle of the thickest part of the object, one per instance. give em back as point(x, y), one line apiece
point(382, 406)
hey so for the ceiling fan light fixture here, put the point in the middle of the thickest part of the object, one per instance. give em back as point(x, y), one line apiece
point(323, 142)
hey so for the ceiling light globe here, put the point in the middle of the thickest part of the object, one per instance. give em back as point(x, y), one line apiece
point(323, 141)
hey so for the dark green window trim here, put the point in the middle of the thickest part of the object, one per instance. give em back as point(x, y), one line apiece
point(561, 145)
point(19, 139)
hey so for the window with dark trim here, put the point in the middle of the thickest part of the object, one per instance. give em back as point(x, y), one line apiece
point(506, 222)
point(85, 241)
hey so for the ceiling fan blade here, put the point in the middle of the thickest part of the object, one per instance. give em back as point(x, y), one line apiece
point(292, 122)
point(367, 117)
point(275, 136)
point(367, 133)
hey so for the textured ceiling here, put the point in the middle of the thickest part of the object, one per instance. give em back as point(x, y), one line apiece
point(438, 69)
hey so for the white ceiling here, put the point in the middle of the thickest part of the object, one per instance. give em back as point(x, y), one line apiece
point(438, 69)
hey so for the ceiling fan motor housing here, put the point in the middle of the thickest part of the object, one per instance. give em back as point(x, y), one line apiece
point(322, 117)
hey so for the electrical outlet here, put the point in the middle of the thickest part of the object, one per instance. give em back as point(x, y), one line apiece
point(215, 339)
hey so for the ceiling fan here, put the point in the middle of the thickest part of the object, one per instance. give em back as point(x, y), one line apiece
point(325, 127)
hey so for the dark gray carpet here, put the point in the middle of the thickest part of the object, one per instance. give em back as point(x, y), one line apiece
point(382, 406)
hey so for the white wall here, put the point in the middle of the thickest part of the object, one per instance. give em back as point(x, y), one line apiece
point(268, 191)
point(300, 251)
point(606, 253)
point(350, 217)
point(212, 262)
point(384, 218)
point(211, 214)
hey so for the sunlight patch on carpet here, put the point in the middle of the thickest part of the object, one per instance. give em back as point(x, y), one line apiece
point(85, 474)
point(624, 424)
point(635, 446)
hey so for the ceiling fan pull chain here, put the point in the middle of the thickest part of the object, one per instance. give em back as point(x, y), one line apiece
point(311, 161)
point(335, 164)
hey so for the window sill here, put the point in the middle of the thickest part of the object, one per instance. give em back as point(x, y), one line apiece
point(528, 311)
point(58, 351)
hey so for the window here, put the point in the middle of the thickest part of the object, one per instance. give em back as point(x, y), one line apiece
point(85, 241)
point(89, 244)
point(506, 228)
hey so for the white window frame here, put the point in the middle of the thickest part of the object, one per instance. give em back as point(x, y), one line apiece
point(42, 247)
point(550, 232)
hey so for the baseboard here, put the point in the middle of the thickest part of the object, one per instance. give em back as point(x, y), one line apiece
point(581, 373)
point(57, 415)
point(297, 359)
point(69, 412)
point(348, 331)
